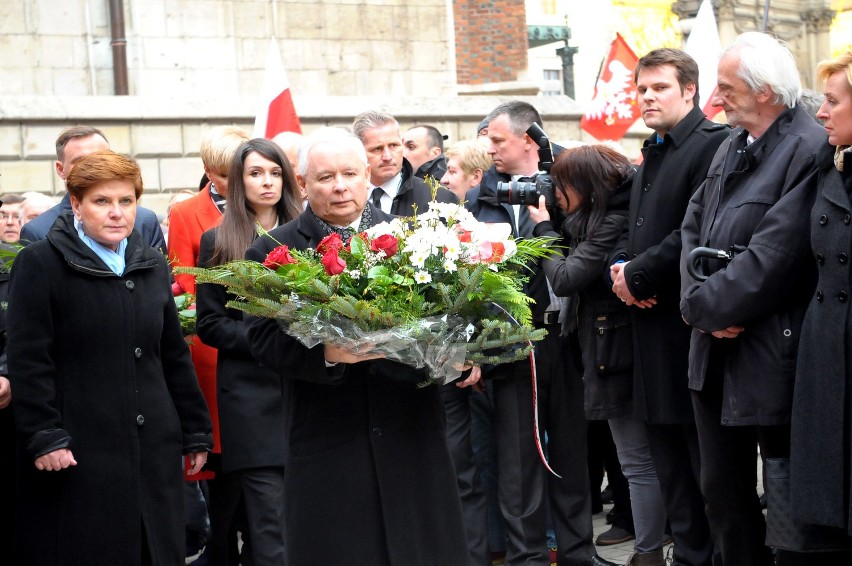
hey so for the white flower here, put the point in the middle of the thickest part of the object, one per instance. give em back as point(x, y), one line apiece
point(422, 277)
point(356, 273)
point(450, 266)
point(418, 258)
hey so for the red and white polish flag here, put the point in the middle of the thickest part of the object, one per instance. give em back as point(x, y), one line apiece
point(275, 111)
point(614, 107)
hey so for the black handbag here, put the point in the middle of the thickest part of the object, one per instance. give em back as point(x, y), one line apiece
point(781, 531)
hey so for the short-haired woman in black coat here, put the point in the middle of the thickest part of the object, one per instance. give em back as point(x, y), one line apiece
point(106, 399)
point(262, 194)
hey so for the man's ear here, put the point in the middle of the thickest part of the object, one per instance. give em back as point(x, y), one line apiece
point(60, 170)
point(764, 95)
point(434, 152)
point(303, 189)
point(689, 91)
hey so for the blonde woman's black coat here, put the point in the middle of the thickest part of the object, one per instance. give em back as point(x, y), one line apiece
point(821, 429)
point(98, 365)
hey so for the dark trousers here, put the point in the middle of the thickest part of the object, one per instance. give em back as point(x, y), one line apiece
point(675, 451)
point(225, 506)
point(729, 475)
point(457, 403)
point(263, 494)
point(524, 483)
point(604, 456)
point(484, 444)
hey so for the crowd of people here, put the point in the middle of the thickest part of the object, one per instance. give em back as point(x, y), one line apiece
point(697, 305)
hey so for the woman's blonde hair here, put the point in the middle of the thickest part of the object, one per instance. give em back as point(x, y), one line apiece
point(472, 155)
point(830, 66)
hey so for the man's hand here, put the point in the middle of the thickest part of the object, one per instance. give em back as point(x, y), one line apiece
point(539, 213)
point(5, 392)
point(474, 380)
point(619, 287)
point(338, 355)
point(56, 460)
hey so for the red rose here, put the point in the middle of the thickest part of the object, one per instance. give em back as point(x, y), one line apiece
point(278, 257)
point(385, 243)
point(177, 289)
point(332, 242)
point(332, 262)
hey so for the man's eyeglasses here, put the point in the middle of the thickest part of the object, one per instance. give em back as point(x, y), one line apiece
point(4, 216)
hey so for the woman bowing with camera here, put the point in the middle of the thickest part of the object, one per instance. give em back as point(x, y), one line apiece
point(591, 184)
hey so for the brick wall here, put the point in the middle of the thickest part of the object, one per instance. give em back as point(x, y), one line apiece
point(491, 40)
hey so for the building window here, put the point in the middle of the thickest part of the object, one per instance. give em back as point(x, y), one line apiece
point(552, 82)
point(548, 7)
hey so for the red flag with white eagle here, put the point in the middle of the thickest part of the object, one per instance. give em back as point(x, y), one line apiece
point(614, 107)
point(275, 113)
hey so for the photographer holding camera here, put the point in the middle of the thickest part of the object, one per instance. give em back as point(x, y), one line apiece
point(592, 186)
point(524, 483)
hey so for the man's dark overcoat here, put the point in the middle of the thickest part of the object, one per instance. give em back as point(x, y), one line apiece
point(755, 197)
point(821, 452)
point(98, 365)
point(369, 479)
point(671, 171)
point(414, 192)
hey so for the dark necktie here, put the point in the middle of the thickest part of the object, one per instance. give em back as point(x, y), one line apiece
point(525, 223)
point(376, 197)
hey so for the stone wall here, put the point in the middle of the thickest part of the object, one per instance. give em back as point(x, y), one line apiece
point(163, 135)
point(184, 47)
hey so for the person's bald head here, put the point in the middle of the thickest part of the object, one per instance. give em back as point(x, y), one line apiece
point(289, 143)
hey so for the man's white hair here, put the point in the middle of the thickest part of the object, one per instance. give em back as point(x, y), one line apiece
point(329, 135)
point(767, 63)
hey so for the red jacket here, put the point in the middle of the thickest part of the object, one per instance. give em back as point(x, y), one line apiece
point(187, 221)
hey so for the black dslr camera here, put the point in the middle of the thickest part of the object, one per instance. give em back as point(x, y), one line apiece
point(527, 192)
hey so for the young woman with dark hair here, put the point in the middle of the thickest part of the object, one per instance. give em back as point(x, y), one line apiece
point(262, 194)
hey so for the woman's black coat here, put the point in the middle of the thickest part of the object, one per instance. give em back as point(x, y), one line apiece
point(821, 453)
point(369, 478)
point(250, 397)
point(603, 323)
point(98, 365)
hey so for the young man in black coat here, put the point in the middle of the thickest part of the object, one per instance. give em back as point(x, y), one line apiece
point(646, 276)
point(394, 188)
point(747, 315)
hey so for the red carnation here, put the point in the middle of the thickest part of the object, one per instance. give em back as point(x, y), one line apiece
point(332, 262)
point(278, 257)
point(332, 242)
point(385, 243)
